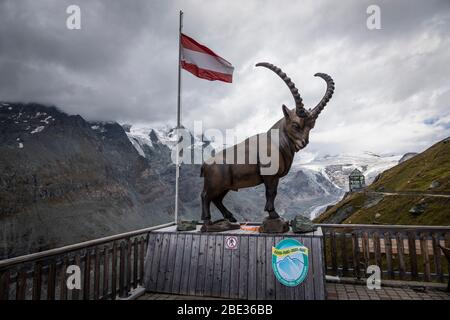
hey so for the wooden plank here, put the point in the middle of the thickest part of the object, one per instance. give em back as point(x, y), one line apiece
point(201, 269)
point(170, 264)
point(234, 278)
point(135, 262)
point(344, 254)
point(178, 263)
point(21, 285)
point(388, 253)
point(355, 251)
point(377, 249)
point(252, 267)
point(366, 250)
point(400, 255)
point(114, 271)
point(316, 265)
point(76, 292)
point(128, 266)
point(87, 275)
point(96, 274)
point(51, 280)
point(141, 260)
point(334, 266)
point(309, 281)
point(425, 257)
point(192, 282)
point(260, 268)
point(152, 285)
point(243, 267)
point(163, 263)
point(150, 252)
point(325, 239)
point(63, 277)
point(413, 254)
point(4, 285)
point(185, 271)
point(218, 257)
point(270, 276)
point(226, 272)
point(37, 281)
point(105, 271)
point(437, 257)
point(122, 266)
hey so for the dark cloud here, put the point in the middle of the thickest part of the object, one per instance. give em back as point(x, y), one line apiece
point(122, 65)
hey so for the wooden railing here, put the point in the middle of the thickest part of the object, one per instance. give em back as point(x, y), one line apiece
point(110, 267)
point(401, 252)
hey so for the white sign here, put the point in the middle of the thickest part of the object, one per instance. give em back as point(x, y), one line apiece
point(231, 242)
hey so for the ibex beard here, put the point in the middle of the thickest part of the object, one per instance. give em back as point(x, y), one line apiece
point(292, 135)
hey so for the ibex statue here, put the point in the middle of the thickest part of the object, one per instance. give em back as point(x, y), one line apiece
point(293, 130)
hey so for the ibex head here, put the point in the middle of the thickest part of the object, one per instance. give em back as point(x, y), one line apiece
point(299, 121)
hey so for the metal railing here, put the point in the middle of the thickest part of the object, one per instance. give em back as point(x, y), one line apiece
point(403, 252)
point(110, 267)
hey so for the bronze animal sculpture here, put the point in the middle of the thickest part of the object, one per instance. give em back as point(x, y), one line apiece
point(221, 177)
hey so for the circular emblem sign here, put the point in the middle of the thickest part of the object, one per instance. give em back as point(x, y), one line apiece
point(290, 262)
point(231, 242)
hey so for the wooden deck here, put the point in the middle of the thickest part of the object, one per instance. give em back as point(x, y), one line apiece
point(337, 291)
point(199, 264)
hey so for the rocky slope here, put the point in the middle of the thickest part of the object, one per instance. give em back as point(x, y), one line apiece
point(65, 180)
point(416, 191)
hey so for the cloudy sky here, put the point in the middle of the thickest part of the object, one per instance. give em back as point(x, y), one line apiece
point(392, 85)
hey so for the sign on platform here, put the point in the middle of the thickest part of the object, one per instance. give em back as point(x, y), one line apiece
point(231, 242)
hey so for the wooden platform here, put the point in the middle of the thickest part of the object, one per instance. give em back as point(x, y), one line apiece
point(199, 264)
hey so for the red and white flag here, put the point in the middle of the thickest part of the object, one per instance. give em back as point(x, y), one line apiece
point(203, 62)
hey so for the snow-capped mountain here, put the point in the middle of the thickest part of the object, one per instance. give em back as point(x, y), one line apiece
point(338, 167)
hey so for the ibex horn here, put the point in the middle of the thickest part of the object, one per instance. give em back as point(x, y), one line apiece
point(299, 107)
point(330, 89)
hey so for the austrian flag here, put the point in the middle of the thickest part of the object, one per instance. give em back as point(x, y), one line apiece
point(203, 62)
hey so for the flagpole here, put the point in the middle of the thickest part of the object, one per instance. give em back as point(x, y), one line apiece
point(177, 165)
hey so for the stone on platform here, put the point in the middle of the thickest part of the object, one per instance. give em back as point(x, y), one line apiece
point(219, 226)
point(301, 224)
point(278, 225)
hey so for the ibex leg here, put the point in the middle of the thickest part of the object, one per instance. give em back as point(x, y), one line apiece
point(225, 212)
point(271, 184)
point(206, 211)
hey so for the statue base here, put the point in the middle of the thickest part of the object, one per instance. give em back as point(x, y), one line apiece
point(278, 225)
point(220, 225)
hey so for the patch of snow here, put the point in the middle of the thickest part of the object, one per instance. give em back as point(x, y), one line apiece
point(10, 108)
point(98, 128)
point(37, 130)
point(20, 145)
point(47, 119)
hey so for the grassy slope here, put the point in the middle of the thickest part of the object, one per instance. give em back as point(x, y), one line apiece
point(413, 177)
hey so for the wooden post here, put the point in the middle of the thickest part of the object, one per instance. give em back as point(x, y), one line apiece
point(413, 254)
point(105, 271)
point(355, 242)
point(51, 280)
point(401, 256)
point(37, 281)
point(425, 257)
point(96, 274)
point(21, 285)
point(388, 253)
